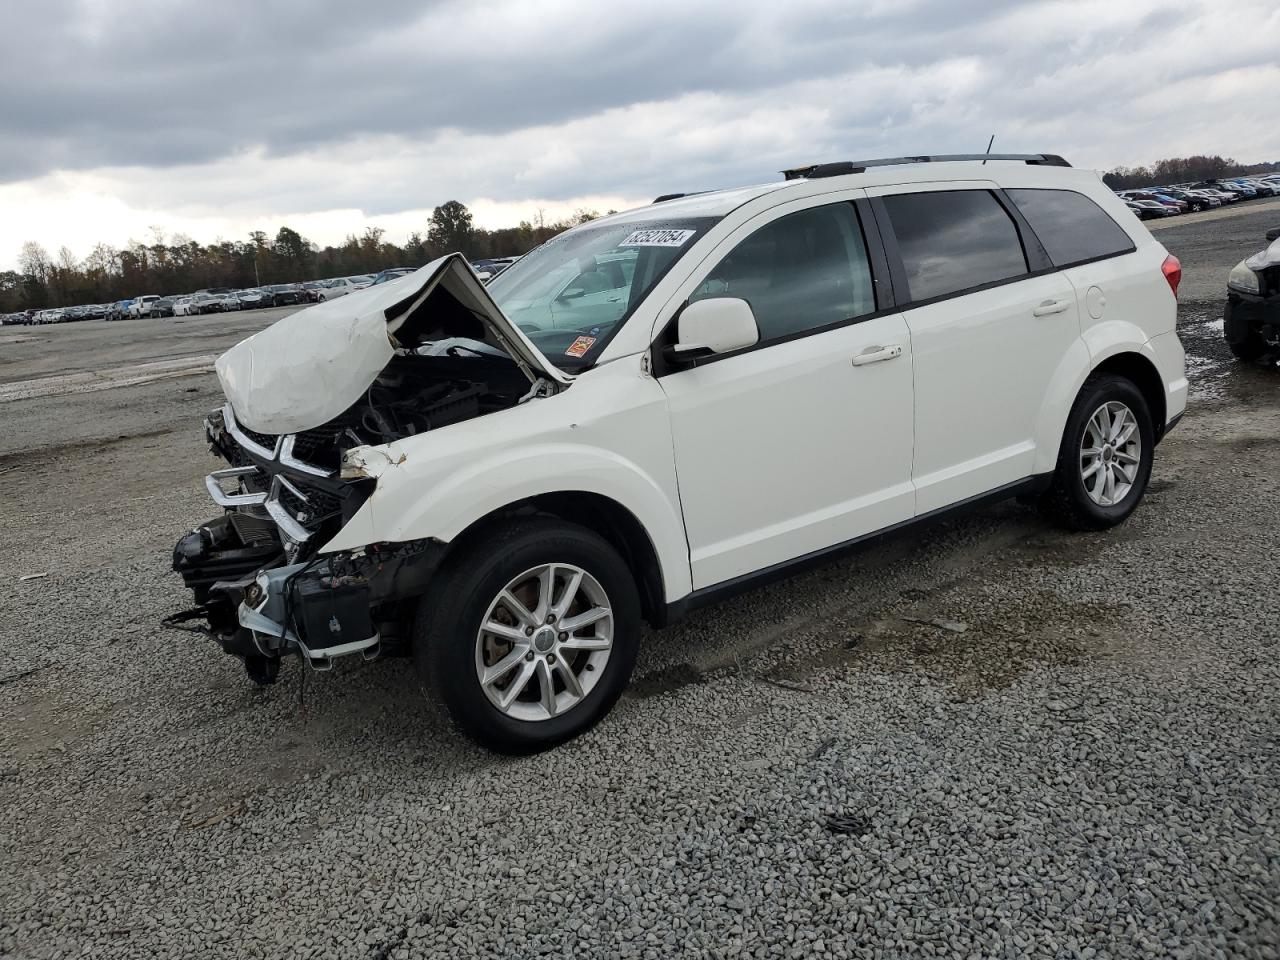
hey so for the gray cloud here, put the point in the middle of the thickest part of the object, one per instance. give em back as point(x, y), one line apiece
point(293, 106)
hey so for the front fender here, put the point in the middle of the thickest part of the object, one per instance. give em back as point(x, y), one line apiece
point(608, 435)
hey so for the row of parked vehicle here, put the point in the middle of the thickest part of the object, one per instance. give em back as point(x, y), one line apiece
point(227, 299)
point(1153, 203)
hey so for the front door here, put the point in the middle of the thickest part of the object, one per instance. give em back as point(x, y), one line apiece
point(805, 440)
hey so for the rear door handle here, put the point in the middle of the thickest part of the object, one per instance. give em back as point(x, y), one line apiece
point(1048, 307)
point(876, 354)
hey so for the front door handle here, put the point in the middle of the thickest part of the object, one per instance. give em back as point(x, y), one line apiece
point(1048, 307)
point(876, 354)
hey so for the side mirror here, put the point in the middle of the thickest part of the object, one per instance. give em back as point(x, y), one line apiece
point(718, 325)
point(1273, 234)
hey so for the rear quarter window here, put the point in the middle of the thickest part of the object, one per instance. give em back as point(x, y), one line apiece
point(1071, 227)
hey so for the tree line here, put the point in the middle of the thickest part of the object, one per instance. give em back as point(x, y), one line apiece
point(1183, 170)
point(178, 264)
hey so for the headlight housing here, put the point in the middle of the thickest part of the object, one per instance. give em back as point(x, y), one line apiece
point(1243, 279)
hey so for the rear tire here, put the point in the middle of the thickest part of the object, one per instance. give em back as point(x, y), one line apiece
point(559, 679)
point(1104, 462)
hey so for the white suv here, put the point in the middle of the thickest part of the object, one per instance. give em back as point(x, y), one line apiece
point(141, 306)
point(660, 407)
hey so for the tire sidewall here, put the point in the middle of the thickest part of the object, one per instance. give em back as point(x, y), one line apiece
point(1104, 390)
point(444, 644)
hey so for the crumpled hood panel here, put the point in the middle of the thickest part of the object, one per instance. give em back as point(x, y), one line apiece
point(1263, 259)
point(304, 370)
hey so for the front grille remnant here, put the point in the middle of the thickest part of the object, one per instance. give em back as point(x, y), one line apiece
point(269, 474)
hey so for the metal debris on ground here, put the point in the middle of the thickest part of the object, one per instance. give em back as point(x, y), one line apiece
point(850, 824)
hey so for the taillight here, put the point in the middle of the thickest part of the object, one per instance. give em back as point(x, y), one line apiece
point(1172, 270)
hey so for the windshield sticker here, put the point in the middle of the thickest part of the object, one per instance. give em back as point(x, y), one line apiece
point(657, 238)
point(579, 346)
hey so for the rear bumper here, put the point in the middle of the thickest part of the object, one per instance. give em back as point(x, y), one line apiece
point(1171, 363)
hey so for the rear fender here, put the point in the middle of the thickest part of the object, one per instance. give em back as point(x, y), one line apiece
point(1097, 344)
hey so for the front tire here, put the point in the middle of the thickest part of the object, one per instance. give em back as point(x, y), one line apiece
point(1105, 459)
point(1245, 342)
point(530, 636)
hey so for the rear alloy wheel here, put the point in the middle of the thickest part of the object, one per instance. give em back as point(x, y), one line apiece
point(530, 634)
point(1105, 458)
point(1110, 454)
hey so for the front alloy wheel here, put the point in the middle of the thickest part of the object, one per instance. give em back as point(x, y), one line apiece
point(530, 632)
point(545, 642)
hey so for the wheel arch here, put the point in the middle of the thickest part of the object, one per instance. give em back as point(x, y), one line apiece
point(603, 515)
point(1127, 356)
point(1142, 373)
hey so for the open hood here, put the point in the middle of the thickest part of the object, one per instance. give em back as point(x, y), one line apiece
point(306, 369)
point(1267, 257)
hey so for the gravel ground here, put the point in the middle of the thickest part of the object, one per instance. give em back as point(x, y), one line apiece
point(987, 739)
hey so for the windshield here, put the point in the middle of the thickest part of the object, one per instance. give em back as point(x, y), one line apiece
point(570, 295)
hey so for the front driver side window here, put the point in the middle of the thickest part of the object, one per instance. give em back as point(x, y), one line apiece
point(802, 272)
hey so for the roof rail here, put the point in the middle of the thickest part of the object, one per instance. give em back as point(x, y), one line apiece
point(842, 167)
point(676, 196)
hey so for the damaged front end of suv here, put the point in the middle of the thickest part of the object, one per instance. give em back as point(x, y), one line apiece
point(308, 399)
point(1251, 318)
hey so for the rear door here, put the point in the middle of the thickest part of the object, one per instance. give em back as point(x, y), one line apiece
point(1090, 248)
point(990, 321)
point(803, 441)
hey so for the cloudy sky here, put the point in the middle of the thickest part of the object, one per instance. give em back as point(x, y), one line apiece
point(213, 119)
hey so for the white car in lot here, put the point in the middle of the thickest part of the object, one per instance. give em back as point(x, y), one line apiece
point(340, 287)
point(777, 374)
point(141, 306)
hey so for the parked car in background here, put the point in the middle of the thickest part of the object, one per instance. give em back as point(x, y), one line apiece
point(119, 310)
point(391, 273)
point(338, 287)
point(1151, 210)
point(1263, 188)
point(162, 307)
point(1149, 195)
point(141, 306)
point(283, 294)
point(227, 301)
point(251, 299)
point(199, 304)
point(1194, 202)
point(1251, 318)
point(1229, 193)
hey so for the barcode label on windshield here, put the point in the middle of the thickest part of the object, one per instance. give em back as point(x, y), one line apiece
point(657, 238)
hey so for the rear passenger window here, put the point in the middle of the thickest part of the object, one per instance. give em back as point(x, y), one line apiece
point(954, 240)
point(801, 272)
point(1071, 227)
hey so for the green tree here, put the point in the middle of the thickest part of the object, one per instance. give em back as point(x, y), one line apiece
point(451, 228)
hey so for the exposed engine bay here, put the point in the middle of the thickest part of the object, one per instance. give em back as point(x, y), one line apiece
point(260, 583)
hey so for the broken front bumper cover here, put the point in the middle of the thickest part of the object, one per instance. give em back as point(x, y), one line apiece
point(259, 605)
point(334, 610)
